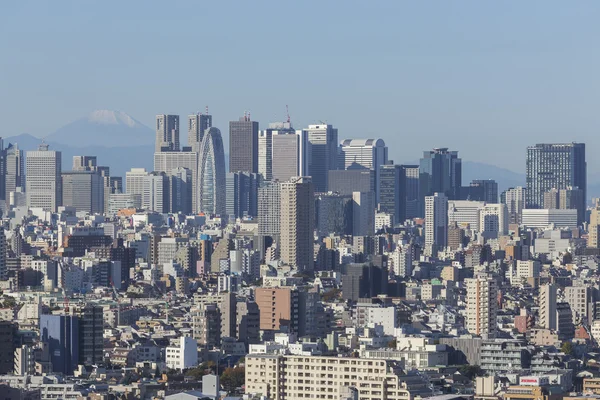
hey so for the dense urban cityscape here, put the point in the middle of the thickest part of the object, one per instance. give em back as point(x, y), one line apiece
point(302, 266)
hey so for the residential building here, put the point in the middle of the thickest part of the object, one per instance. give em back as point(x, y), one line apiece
point(297, 222)
point(482, 306)
point(436, 223)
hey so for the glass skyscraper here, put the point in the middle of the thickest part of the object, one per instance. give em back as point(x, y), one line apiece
point(440, 171)
point(211, 173)
point(554, 166)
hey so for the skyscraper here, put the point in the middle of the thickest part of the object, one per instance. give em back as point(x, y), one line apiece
point(270, 153)
point(15, 170)
point(134, 184)
point(440, 171)
point(559, 166)
point(156, 196)
point(269, 209)
point(411, 186)
point(514, 198)
point(167, 133)
point(181, 186)
point(297, 222)
point(211, 173)
point(83, 190)
point(168, 161)
point(242, 194)
point(61, 333)
point(482, 306)
point(481, 190)
point(392, 192)
point(323, 141)
point(197, 125)
point(363, 213)
point(84, 163)
point(44, 178)
point(548, 307)
point(243, 145)
point(436, 223)
point(265, 153)
point(367, 153)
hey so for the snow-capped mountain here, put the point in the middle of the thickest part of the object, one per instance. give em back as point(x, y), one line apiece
point(104, 128)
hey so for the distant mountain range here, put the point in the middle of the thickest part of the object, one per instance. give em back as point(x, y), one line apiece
point(122, 142)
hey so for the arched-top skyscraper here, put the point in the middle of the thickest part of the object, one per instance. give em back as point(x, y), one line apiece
point(211, 173)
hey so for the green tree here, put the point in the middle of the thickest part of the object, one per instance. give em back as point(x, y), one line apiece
point(471, 371)
point(567, 348)
point(233, 378)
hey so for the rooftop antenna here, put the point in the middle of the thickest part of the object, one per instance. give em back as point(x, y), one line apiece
point(206, 110)
point(287, 112)
point(248, 116)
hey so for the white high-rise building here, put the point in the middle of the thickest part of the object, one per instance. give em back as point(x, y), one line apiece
point(514, 198)
point(366, 153)
point(283, 152)
point(493, 220)
point(436, 223)
point(297, 222)
point(182, 354)
point(465, 213)
point(482, 306)
point(156, 192)
point(43, 178)
point(134, 184)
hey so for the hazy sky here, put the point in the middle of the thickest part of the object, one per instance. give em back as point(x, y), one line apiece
point(486, 78)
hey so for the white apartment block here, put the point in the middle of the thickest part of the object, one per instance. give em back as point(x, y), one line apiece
point(482, 306)
point(182, 354)
point(281, 377)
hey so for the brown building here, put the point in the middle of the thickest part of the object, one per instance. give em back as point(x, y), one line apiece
point(456, 236)
point(530, 393)
point(278, 308)
point(591, 385)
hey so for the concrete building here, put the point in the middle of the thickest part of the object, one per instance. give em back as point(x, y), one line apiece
point(411, 186)
point(243, 145)
point(15, 170)
point(482, 306)
point(170, 161)
point(466, 214)
point(83, 190)
point(181, 190)
point(269, 209)
point(594, 227)
point(440, 171)
point(167, 133)
point(345, 182)
point(493, 221)
point(156, 193)
point(242, 194)
point(367, 153)
point(436, 223)
point(278, 377)
point(134, 184)
point(548, 307)
point(363, 214)
point(297, 222)
point(514, 198)
point(197, 125)
point(43, 179)
point(334, 214)
point(391, 185)
point(182, 354)
point(542, 218)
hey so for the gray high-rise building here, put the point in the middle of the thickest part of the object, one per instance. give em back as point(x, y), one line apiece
point(558, 166)
point(83, 190)
point(333, 214)
point(197, 125)
point(440, 171)
point(211, 173)
point(134, 184)
point(280, 151)
point(181, 186)
point(155, 195)
point(168, 161)
point(44, 178)
point(323, 141)
point(346, 182)
point(392, 197)
point(243, 145)
point(297, 223)
point(269, 209)
point(411, 186)
point(85, 163)
point(481, 190)
point(242, 194)
point(366, 153)
point(15, 170)
point(167, 133)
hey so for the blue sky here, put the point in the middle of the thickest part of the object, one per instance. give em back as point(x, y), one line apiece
point(486, 78)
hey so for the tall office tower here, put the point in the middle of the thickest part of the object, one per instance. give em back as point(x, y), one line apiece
point(61, 333)
point(167, 133)
point(156, 192)
point(15, 170)
point(91, 329)
point(548, 307)
point(482, 306)
point(514, 198)
point(181, 189)
point(481, 190)
point(265, 153)
point(43, 178)
point(333, 214)
point(284, 159)
point(392, 192)
point(168, 161)
point(551, 199)
point(594, 227)
point(134, 184)
point(269, 209)
point(242, 194)
point(466, 214)
point(211, 173)
point(411, 185)
point(3, 194)
point(323, 140)
point(84, 163)
point(83, 190)
point(366, 153)
point(363, 214)
point(3, 268)
point(346, 182)
point(440, 171)
point(436, 223)
point(197, 125)
point(573, 199)
point(297, 222)
point(554, 166)
point(243, 145)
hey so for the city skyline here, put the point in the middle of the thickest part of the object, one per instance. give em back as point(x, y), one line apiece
point(431, 81)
